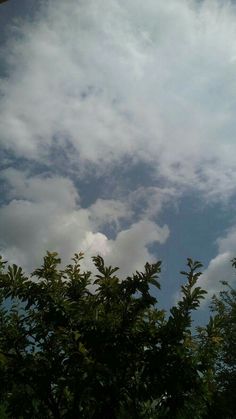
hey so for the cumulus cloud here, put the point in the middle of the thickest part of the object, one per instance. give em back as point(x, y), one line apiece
point(109, 211)
point(220, 268)
point(38, 189)
point(153, 79)
point(45, 214)
point(107, 82)
point(130, 249)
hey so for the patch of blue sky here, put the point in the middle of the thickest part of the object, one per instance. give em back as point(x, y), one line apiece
point(12, 11)
point(194, 230)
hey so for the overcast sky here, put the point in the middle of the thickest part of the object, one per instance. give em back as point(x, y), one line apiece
point(117, 133)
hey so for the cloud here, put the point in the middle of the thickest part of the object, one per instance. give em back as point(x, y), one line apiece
point(220, 268)
point(130, 249)
point(153, 80)
point(90, 87)
point(44, 213)
point(109, 211)
point(55, 190)
point(150, 201)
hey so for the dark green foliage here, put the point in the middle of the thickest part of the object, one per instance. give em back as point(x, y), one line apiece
point(77, 346)
point(224, 305)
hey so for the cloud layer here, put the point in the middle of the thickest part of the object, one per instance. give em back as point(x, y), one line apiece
point(93, 85)
point(45, 214)
point(153, 80)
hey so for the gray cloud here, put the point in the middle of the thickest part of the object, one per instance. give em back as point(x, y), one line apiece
point(102, 81)
point(45, 214)
point(155, 80)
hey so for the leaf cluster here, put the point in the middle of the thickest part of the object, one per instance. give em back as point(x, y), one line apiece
point(77, 345)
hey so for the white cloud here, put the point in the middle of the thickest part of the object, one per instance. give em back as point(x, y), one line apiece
point(57, 190)
point(220, 268)
point(149, 201)
point(153, 79)
point(45, 214)
point(130, 249)
point(109, 211)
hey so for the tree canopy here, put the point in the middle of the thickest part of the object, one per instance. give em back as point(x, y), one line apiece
point(79, 345)
point(224, 305)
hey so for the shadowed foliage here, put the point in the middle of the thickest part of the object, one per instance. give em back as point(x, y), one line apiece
point(224, 306)
point(78, 345)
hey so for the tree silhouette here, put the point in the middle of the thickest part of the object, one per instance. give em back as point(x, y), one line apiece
point(77, 345)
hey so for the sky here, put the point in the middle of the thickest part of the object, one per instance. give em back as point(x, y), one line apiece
point(117, 134)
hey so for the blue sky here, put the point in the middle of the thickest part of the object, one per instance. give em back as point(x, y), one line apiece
point(117, 124)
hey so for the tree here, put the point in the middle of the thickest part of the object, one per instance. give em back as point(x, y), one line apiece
point(70, 350)
point(224, 306)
